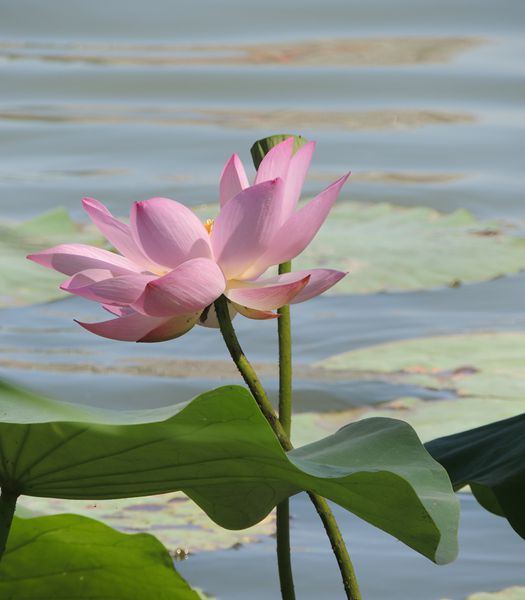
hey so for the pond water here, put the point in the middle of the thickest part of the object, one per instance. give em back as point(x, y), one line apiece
point(124, 100)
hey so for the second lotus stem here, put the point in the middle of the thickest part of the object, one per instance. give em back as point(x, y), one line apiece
point(284, 557)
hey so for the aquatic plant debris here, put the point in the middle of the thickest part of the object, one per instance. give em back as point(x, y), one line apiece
point(344, 51)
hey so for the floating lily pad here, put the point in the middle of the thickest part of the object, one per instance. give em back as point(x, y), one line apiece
point(221, 452)
point(482, 373)
point(511, 593)
point(69, 557)
point(23, 282)
point(388, 248)
point(172, 518)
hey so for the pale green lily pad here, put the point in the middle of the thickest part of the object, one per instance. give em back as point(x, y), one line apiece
point(172, 518)
point(512, 593)
point(482, 373)
point(22, 281)
point(390, 248)
point(68, 557)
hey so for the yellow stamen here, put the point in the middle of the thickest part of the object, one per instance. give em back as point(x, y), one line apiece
point(209, 225)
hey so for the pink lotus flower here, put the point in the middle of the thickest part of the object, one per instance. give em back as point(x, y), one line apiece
point(171, 267)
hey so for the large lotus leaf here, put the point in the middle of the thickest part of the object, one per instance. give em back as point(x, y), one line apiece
point(68, 557)
point(491, 459)
point(172, 518)
point(222, 453)
point(24, 282)
point(391, 248)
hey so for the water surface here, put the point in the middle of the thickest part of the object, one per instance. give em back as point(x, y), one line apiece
point(123, 100)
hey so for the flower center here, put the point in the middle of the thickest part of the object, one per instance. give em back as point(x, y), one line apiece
point(209, 225)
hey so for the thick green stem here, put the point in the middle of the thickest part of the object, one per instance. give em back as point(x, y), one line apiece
point(258, 392)
point(338, 546)
point(7, 510)
point(284, 558)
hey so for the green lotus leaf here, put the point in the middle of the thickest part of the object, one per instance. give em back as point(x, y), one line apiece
point(491, 459)
point(69, 557)
point(221, 452)
point(24, 282)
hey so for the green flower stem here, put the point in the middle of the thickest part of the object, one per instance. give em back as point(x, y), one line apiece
point(7, 510)
point(247, 371)
point(285, 360)
point(338, 546)
point(284, 557)
point(252, 381)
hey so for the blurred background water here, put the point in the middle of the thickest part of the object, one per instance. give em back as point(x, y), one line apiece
point(124, 100)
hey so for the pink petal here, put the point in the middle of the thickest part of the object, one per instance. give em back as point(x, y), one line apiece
point(233, 179)
point(299, 164)
point(168, 232)
point(140, 328)
point(192, 286)
point(266, 294)
point(251, 313)
point(120, 290)
point(171, 329)
point(90, 276)
point(72, 258)
point(245, 227)
point(320, 281)
point(276, 162)
point(118, 233)
point(298, 231)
